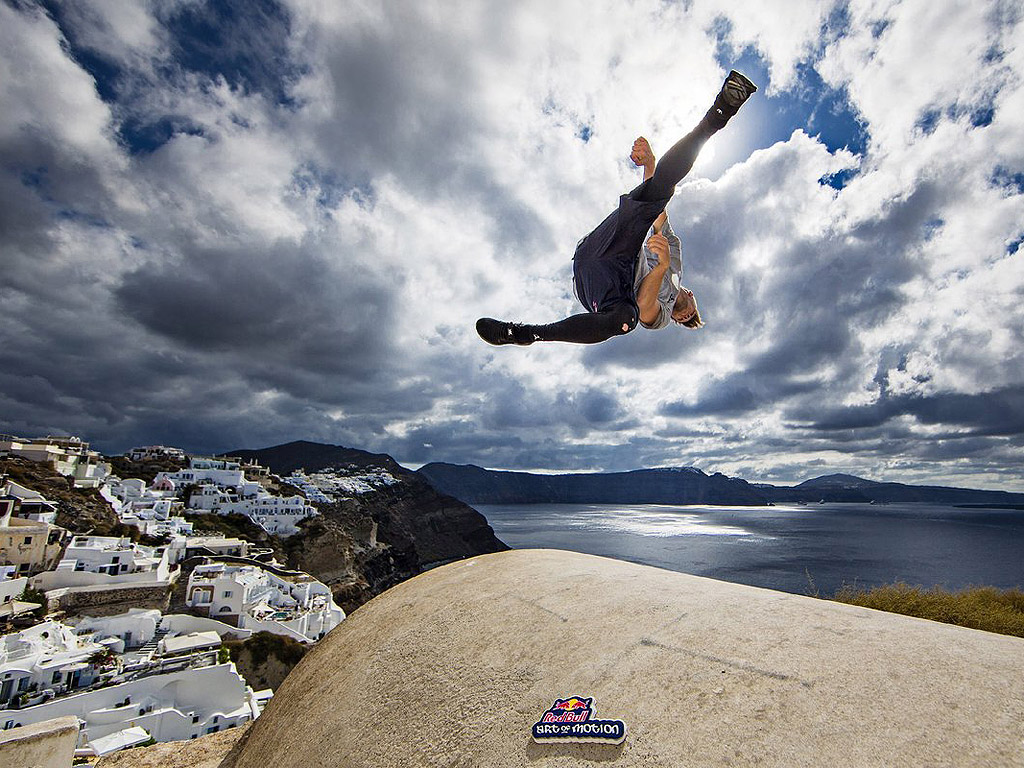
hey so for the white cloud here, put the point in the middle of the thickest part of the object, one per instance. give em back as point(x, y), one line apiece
point(307, 253)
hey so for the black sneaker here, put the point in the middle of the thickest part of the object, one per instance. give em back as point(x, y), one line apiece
point(498, 332)
point(735, 90)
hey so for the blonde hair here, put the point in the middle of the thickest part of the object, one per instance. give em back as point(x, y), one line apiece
point(695, 321)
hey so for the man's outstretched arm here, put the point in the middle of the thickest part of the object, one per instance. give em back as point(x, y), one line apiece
point(647, 294)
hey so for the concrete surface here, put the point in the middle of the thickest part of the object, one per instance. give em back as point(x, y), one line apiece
point(50, 744)
point(453, 667)
point(204, 752)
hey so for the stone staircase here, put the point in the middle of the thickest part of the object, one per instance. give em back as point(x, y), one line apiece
point(150, 648)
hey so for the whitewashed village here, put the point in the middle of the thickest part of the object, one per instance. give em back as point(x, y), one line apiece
point(140, 676)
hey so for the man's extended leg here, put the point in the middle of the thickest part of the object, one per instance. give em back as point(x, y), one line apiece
point(677, 162)
point(586, 328)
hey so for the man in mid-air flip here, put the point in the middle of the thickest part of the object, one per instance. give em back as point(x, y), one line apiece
point(616, 290)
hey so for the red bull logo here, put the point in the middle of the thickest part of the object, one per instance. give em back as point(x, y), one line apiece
point(571, 710)
point(571, 720)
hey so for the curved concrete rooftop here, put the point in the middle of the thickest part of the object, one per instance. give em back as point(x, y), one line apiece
point(453, 667)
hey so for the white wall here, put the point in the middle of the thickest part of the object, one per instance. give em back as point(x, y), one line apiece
point(11, 589)
point(141, 624)
point(209, 692)
point(183, 624)
point(67, 579)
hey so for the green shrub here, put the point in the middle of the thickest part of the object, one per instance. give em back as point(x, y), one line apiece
point(35, 596)
point(986, 608)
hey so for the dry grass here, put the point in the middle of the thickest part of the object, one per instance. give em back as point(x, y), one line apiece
point(986, 608)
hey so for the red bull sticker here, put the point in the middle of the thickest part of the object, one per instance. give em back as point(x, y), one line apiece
point(572, 719)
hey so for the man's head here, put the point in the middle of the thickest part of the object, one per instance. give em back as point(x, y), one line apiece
point(684, 311)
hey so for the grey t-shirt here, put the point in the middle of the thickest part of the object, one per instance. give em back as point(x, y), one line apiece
point(671, 283)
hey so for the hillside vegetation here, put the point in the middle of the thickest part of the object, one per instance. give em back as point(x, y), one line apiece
point(985, 608)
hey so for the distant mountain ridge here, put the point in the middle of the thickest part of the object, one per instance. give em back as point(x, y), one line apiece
point(687, 485)
point(642, 486)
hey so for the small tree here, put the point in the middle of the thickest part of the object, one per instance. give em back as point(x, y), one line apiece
point(35, 596)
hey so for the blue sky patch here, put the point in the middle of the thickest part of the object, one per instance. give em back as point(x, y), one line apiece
point(808, 104)
point(243, 41)
point(143, 136)
point(840, 179)
point(928, 121)
point(1007, 179)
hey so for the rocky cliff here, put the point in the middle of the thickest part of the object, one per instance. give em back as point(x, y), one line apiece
point(383, 525)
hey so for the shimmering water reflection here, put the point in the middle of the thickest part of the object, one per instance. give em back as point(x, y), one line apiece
point(801, 549)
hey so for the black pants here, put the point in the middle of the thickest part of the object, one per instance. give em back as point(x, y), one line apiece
point(594, 327)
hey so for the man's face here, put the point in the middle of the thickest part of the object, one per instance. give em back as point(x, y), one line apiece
point(685, 307)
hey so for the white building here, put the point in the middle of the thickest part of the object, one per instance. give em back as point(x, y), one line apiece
point(127, 630)
point(227, 479)
point(157, 520)
point(280, 515)
point(107, 561)
point(70, 456)
point(28, 504)
point(171, 706)
point(152, 512)
point(151, 452)
point(213, 462)
point(45, 661)
point(285, 603)
point(228, 491)
point(11, 588)
point(115, 557)
point(142, 628)
point(301, 481)
point(175, 690)
point(206, 546)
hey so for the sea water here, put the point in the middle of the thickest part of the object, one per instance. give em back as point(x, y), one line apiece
point(812, 549)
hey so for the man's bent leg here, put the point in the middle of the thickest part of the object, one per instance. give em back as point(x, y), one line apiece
point(677, 162)
point(587, 328)
point(590, 327)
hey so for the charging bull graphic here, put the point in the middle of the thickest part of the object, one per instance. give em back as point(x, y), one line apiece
point(571, 720)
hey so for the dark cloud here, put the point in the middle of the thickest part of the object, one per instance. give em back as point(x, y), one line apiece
point(285, 301)
point(997, 412)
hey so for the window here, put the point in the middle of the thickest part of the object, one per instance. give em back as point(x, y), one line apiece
point(195, 719)
point(56, 677)
point(28, 539)
point(227, 593)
